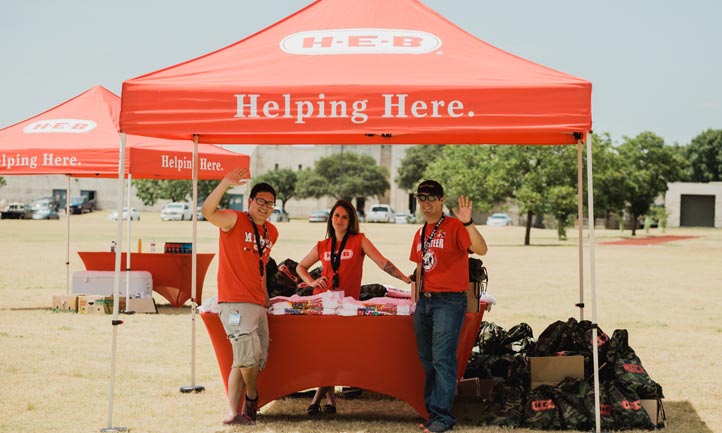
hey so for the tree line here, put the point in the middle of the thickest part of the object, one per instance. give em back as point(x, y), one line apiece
point(541, 180)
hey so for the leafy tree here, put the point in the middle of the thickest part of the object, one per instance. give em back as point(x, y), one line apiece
point(608, 176)
point(476, 171)
point(414, 163)
point(283, 181)
point(361, 177)
point(562, 203)
point(2, 181)
point(648, 166)
point(310, 184)
point(149, 191)
point(704, 154)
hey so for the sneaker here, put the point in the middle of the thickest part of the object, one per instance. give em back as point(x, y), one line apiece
point(314, 410)
point(425, 424)
point(329, 409)
point(240, 419)
point(250, 408)
point(437, 427)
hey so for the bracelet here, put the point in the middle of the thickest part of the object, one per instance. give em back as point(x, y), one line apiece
point(471, 221)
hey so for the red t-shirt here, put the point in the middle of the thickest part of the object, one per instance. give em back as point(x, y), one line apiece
point(446, 263)
point(239, 279)
point(351, 268)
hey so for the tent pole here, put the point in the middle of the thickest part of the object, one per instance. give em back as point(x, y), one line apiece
point(580, 212)
point(592, 276)
point(127, 253)
point(194, 250)
point(67, 236)
point(116, 286)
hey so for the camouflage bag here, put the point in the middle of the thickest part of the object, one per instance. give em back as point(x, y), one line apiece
point(504, 406)
point(554, 339)
point(571, 401)
point(369, 291)
point(628, 369)
point(605, 407)
point(627, 407)
point(541, 410)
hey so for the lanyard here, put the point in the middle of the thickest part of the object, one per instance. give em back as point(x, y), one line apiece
point(260, 245)
point(336, 257)
point(425, 244)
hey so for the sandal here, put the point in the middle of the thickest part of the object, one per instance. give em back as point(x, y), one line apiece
point(329, 409)
point(314, 409)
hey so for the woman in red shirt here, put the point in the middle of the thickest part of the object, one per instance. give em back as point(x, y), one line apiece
point(341, 255)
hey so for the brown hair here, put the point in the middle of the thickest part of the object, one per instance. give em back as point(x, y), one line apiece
point(353, 228)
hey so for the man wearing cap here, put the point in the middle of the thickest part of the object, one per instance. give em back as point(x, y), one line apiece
point(440, 250)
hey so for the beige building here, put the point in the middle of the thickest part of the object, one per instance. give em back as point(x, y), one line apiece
point(298, 157)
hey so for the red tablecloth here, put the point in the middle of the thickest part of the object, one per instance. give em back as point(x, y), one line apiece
point(171, 273)
point(376, 353)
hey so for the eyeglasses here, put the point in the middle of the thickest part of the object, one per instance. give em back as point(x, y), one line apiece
point(426, 197)
point(261, 202)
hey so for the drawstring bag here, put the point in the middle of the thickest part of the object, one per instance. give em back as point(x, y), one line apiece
point(541, 410)
point(628, 369)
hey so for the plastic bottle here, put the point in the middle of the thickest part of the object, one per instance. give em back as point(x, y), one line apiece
point(112, 246)
point(152, 246)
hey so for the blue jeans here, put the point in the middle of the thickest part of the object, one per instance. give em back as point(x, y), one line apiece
point(437, 322)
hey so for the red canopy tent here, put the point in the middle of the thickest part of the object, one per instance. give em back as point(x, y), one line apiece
point(80, 138)
point(364, 72)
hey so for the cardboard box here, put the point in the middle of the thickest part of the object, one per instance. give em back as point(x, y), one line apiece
point(142, 305)
point(65, 303)
point(550, 370)
point(472, 297)
point(475, 387)
point(103, 282)
point(467, 410)
point(653, 410)
point(95, 304)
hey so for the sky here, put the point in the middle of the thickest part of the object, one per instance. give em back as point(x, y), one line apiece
point(654, 66)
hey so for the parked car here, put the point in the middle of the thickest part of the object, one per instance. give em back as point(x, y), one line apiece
point(279, 216)
point(81, 205)
point(200, 214)
point(134, 215)
point(176, 211)
point(18, 211)
point(45, 202)
point(45, 213)
point(405, 218)
point(319, 216)
point(381, 213)
point(498, 220)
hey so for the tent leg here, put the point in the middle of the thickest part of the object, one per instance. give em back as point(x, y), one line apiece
point(593, 286)
point(116, 288)
point(580, 212)
point(127, 254)
point(67, 237)
point(193, 387)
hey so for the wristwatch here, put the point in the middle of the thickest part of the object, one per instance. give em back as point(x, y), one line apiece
point(471, 221)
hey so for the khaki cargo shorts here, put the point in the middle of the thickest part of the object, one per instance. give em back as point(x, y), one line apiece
point(246, 326)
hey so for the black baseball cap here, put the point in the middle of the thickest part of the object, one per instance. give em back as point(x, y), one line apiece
point(430, 187)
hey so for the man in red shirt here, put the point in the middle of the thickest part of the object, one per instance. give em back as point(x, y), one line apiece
point(244, 245)
point(440, 250)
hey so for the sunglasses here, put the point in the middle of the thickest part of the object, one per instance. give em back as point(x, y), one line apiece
point(261, 202)
point(426, 197)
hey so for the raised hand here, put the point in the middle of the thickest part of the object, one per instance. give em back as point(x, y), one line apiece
point(237, 176)
point(463, 212)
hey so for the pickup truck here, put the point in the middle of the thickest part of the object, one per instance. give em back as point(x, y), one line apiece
point(17, 211)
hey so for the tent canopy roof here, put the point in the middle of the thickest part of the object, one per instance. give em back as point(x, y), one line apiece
point(80, 138)
point(359, 72)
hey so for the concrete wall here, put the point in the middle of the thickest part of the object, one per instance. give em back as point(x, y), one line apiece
point(673, 199)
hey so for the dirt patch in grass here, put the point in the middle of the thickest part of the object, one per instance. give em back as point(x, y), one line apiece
point(647, 240)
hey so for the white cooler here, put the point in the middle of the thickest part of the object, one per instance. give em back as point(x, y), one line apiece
point(101, 283)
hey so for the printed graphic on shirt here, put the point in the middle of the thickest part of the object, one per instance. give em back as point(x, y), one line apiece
point(429, 260)
point(345, 255)
point(266, 244)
